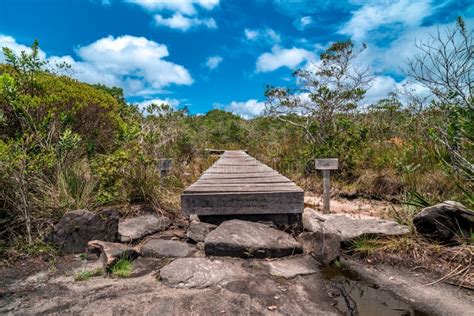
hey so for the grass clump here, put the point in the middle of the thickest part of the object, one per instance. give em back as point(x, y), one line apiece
point(86, 275)
point(122, 268)
point(365, 245)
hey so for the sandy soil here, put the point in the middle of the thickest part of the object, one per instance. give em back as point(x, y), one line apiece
point(359, 207)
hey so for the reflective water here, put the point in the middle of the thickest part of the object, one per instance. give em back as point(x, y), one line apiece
point(354, 296)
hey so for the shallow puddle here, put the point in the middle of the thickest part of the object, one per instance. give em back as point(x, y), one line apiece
point(353, 296)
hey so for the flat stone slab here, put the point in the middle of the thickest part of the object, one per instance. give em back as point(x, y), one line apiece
point(200, 273)
point(198, 231)
point(349, 227)
point(290, 268)
point(138, 227)
point(160, 248)
point(236, 238)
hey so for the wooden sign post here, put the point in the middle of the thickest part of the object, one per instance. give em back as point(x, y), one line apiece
point(165, 166)
point(326, 165)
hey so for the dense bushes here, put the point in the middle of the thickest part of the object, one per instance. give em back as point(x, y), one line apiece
point(66, 145)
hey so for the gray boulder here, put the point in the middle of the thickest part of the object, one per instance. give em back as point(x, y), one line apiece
point(200, 273)
point(159, 248)
point(138, 227)
point(446, 222)
point(325, 247)
point(76, 228)
point(110, 252)
point(312, 220)
point(236, 238)
point(349, 227)
point(198, 231)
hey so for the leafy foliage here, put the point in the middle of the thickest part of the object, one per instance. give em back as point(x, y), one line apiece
point(65, 144)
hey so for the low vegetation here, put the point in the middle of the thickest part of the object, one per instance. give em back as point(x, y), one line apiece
point(122, 268)
point(66, 145)
point(86, 275)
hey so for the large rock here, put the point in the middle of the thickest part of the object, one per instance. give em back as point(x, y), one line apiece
point(325, 247)
point(110, 252)
point(198, 231)
point(244, 239)
point(312, 220)
point(445, 222)
point(75, 229)
point(349, 227)
point(290, 268)
point(141, 226)
point(160, 248)
point(200, 273)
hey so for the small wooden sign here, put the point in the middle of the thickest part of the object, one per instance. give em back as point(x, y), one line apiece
point(327, 163)
point(164, 164)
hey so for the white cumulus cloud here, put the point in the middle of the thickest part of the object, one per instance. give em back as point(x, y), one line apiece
point(266, 35)
point(174, 103)
point(283, 57)
point(179, 14)
point(135, 64)
point(184, 23)
point(213, 62)
point(187, 7)
point(246, 109)
point(10, 42)
point(374, 14)
point(302, 23)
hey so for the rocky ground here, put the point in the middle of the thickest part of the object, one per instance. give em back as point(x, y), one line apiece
point(237, 267)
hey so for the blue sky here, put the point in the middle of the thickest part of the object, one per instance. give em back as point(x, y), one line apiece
point(207, 54)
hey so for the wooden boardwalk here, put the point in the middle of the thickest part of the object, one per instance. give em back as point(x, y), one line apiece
point(238, 184)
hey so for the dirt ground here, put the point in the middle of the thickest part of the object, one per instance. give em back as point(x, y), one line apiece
point(39, 287)
point(46, 285)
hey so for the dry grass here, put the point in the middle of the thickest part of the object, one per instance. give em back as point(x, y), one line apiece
point(380, 185)
point(452, 265)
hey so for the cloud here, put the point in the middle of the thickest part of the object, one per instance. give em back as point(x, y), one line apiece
point(247, 109)
point(135, 64)
point(266, 35)
point(380, 88)
point(283, 57)
point(180, 14)
point(213, 62)
point(251, 34)
point(375, 14)
point(188, 7)
point(10, 42)
point(174, 103)
point(130, 57)
point(302, 23)
point(183, 23)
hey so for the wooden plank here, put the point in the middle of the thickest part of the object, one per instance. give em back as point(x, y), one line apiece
point(241, 176)
point(240, 184)
point(243, 181)
point(240, 188)
point(244, 203)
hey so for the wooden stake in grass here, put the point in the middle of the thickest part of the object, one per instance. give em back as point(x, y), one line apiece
point(326, 165)
point(165, 166)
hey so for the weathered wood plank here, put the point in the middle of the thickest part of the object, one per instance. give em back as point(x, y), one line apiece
point(239, 184)
point(245, 203)
point(243, 181)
